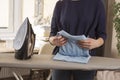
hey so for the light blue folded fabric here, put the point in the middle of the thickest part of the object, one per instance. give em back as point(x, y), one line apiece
point(71, 51)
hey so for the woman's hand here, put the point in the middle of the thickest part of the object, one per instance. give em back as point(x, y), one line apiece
point(57, 40)
point(91, 43)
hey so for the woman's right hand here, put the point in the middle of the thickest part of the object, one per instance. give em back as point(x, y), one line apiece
point(57, 40)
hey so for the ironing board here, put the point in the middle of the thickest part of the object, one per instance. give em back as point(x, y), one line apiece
point(46, 62)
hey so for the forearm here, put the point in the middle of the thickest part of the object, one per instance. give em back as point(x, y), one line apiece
point(91, 43)
point(51, 40)
point(100, 42)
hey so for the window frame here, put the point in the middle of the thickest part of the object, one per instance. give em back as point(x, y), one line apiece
point(15, 19)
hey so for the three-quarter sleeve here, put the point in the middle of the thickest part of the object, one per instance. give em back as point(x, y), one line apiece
point(55, 19)
point(101, 26)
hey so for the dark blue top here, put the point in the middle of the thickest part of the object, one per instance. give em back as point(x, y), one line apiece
point(82, 17)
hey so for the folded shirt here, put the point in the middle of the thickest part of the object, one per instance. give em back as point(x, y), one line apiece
point(71, 51)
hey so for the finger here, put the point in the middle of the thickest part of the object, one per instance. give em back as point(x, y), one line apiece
point(62, 39)
point(84, 43)
point(86, 47)
point(63, 42)
point(59, 37)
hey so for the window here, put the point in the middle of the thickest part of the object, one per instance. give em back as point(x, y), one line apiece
point(10, 18)
point(14, 12)
point(6, 16)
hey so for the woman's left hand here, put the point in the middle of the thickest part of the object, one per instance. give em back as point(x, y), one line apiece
point(91, 43)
